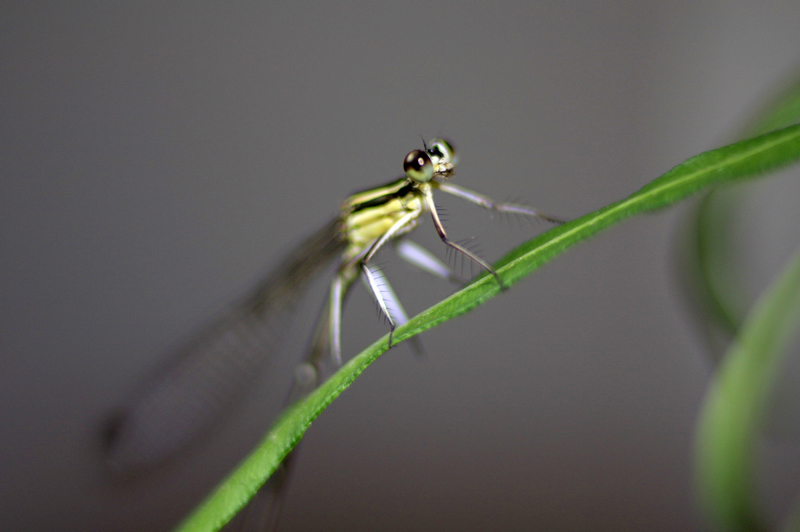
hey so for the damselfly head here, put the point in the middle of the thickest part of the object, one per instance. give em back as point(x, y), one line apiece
point(438, 160)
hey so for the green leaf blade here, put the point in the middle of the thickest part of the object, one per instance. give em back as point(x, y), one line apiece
point(716, 292)
point(744, 159)
point(731, 419)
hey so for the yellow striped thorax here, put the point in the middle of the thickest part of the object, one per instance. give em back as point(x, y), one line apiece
point(370, 214)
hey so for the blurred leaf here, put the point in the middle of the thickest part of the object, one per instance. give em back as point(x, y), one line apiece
point(733, 411)
point(744, 159)
point(716, 289)
point(714, 285)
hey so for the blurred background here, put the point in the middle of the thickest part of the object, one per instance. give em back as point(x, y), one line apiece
point(157, 161)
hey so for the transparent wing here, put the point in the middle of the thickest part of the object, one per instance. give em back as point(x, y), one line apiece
point(216, 367)
point(264, 509)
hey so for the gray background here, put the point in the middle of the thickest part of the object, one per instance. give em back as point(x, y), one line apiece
point(155, 161)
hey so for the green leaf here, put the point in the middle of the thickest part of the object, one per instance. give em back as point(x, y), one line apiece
point(716, 287)
point(744, 159)
point(717, 291)
point(731, 419)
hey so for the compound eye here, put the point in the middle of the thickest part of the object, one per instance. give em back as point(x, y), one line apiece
point(442, 152)
point(418, 166)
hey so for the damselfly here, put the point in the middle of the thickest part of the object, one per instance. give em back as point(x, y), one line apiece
point(213, 369)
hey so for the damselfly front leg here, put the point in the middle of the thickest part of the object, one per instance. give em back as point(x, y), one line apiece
point(498, 206)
